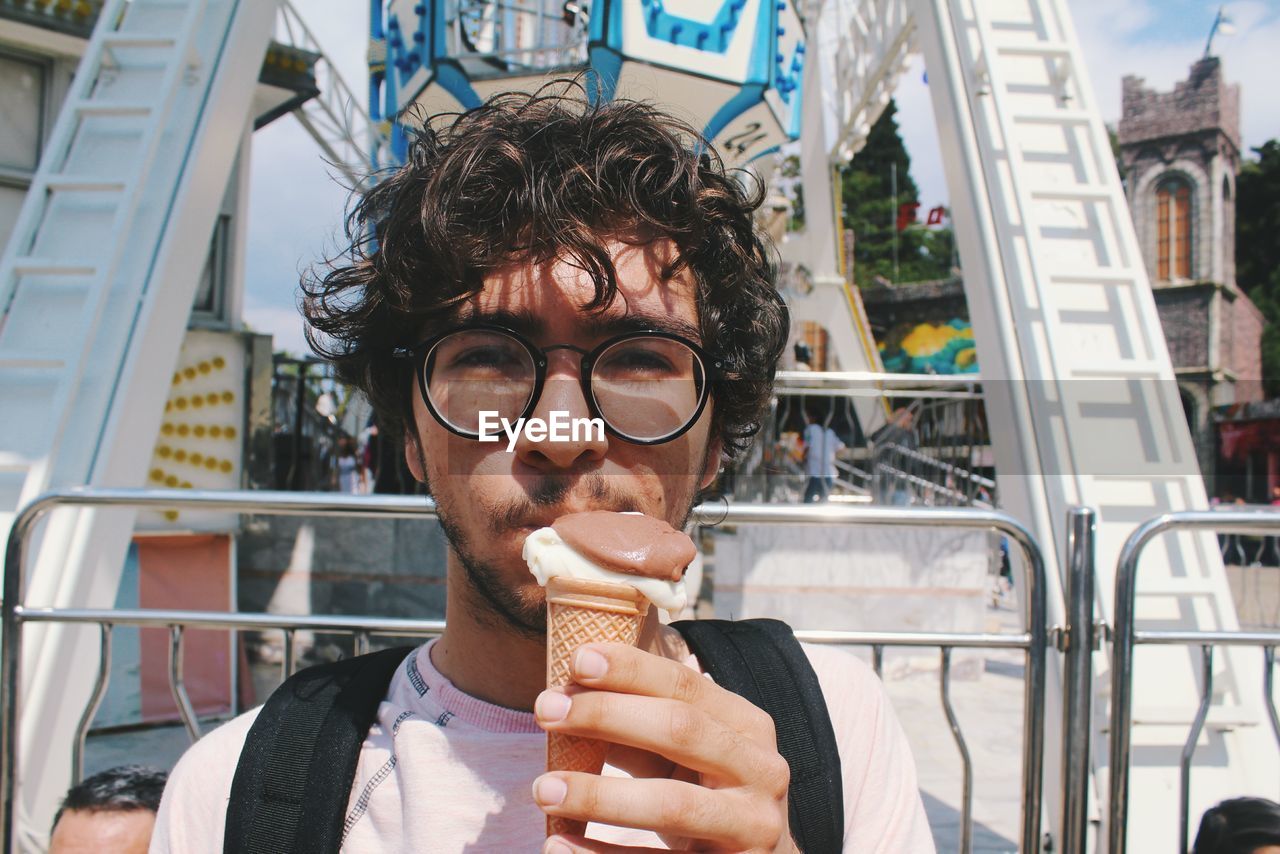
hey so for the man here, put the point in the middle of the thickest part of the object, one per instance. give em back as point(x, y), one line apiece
point(1239, 826)
point(112, 811)
point(540, 256)
point(821, 444)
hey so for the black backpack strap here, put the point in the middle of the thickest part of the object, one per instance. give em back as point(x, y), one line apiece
point(762, 661)
point(293, 781)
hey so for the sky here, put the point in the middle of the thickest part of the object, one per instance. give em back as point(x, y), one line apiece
point(297, 205)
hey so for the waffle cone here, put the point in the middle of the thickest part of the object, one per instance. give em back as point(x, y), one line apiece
point(581, 612)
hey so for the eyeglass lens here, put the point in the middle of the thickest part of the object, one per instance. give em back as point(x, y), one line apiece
point(645, 387)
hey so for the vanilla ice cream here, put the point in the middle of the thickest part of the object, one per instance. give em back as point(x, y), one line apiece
point(644, 548)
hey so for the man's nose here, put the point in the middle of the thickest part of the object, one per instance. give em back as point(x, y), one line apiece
point(578, 441)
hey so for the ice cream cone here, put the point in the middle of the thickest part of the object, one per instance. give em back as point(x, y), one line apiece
point(581, 612)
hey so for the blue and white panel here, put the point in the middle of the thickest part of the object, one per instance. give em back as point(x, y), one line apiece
point(727, 40)
point(731, 68)
point(785, 92)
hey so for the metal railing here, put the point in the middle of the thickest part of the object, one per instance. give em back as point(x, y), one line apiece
point(959, 484)
point(361, 629)
point(1126, 637)
point(1033, 641)
point(929, 461)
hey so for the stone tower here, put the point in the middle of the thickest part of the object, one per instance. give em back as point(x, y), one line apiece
point(1181, 151)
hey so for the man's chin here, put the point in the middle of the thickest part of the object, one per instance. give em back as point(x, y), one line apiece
point(518, 605)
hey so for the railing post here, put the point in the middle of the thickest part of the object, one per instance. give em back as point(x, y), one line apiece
point(1077, 698)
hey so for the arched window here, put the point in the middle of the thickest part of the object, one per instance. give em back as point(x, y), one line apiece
point(1173, 229)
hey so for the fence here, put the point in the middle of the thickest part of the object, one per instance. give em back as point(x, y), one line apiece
point(1033, 641)
point(1076, 639)
point(1126, 637)
point(923, 441)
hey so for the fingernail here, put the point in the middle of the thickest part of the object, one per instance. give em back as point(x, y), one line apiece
point(590, 664)
point(549, 791)
point(555, 846)
point(551, 706)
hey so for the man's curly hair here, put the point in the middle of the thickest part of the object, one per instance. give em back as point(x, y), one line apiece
point(532, 178)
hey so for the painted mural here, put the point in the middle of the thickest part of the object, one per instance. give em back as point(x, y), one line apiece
point(927, 348)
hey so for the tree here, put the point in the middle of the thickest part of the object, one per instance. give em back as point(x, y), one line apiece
point(1258, 250)
point(867, 194)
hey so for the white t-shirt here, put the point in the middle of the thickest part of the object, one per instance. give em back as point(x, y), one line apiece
point(441, 771)
point(820, 447)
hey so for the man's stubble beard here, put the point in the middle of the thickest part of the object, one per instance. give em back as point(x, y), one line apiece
point(498, 604)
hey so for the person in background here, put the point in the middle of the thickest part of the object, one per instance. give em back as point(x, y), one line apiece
point(821, 444)
point(1240, 826)
point(351, 474)
point(113, 811)
point(804, 356)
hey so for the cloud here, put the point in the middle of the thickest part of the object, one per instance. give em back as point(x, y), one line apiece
point(296, 205)
point(1120, 37)
point(920, 134)
point(1154, 39)
point(284, 325)
point(295, 217)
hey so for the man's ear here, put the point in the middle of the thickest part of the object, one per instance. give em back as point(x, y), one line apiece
point(413, 456)
point(712, 466)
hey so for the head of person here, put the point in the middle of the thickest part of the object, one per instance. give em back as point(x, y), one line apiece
point(815, 412)
point(803, 354)
point(550, 257)
point(1240, 826)
point(114, 810)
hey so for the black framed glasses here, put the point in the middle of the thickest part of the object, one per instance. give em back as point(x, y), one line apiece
point(647, 387)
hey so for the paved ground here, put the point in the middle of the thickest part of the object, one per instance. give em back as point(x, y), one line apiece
point(986, 694)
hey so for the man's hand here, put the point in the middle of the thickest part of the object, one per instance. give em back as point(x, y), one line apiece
point(706, 773)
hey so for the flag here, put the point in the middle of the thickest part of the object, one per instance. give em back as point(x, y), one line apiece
point(906, 214)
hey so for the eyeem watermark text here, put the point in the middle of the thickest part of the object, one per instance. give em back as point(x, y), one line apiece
point(559, 428)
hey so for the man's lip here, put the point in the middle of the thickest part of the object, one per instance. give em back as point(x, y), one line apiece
point(546, 521)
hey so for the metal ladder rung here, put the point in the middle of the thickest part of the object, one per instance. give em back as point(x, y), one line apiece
point(1096, 277)
point(1053, 117)
point(1070, 194)
point(114, 40)
point(1167, 587)
point(82, 183)
point(1220, 717)
point(16, 360)
point(1119, 369)
point(11, 462)
point(28, 265)
point(113, 108)
point(1046, 49)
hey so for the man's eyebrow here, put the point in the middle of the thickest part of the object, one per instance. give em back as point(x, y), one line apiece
point(530, 325)
point(522, 320)
point(642, 322)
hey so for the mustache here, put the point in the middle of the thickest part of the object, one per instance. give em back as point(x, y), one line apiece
point(551, 490)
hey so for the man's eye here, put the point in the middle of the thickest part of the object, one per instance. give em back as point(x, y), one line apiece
point(638, 361)
point(496, 358)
